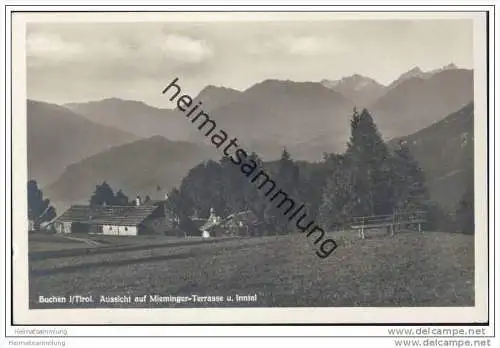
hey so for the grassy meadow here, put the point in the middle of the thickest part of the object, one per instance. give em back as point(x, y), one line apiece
point(409, 269)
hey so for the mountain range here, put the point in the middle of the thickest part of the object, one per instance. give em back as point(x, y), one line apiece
point(445, 152)
point(308, 118)
point(57, 137)
point(419, 102)
point(134, 117)
point(418, 72)
point(305, 117)
point(151, 166)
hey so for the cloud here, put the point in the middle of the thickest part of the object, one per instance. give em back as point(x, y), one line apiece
point(48, 48)
point(185, 49)
point(295, 46)
point(307, 46)
point(51, 46)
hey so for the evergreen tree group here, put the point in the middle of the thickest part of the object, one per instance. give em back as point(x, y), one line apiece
point(104, 195)
point(368, 179)
point(39, 208)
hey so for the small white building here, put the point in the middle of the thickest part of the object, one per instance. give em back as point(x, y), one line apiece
point(213, 220)
point(112, 220)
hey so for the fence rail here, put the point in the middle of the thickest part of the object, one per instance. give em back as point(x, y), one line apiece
point(391, 221)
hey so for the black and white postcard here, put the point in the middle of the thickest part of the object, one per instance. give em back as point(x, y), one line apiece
point(249, 167)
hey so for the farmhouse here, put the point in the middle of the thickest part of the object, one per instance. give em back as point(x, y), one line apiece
point(112, 220)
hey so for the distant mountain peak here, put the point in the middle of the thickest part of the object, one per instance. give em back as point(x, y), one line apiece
point(273, 82)
point(216, 96)
point(355, 79)
point(214, 88)
point(450, 66)
point(358, 88)
point(414, 72)
point(156, 138)
point(271, 85)
point(113, 101)
point(329, 83)
point(419, 73)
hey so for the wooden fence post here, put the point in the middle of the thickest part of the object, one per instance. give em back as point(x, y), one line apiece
point(393, 226)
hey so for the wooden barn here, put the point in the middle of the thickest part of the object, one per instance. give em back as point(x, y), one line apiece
point(112, 220)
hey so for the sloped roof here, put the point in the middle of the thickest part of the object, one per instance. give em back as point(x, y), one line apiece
point(247, 216)
point(210, 223)
point(244, 217)
point(108, 215)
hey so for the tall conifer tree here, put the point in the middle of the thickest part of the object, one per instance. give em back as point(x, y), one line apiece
point(408, 182)
point(336, 199)
point(368, 158)
point(288, 181)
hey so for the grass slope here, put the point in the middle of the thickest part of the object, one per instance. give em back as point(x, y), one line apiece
point(410, 269)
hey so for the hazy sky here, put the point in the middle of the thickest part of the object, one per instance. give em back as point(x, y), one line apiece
point(88, 61)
